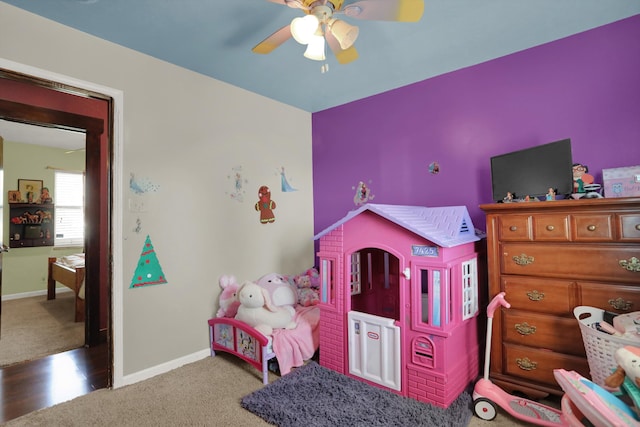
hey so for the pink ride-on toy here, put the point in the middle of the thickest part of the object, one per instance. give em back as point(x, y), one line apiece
point(487, 395)
point(583, 399)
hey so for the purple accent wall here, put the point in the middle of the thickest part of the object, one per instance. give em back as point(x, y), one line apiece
point(585, 87)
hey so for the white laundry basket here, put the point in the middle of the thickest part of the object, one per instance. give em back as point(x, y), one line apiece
point(599, 346)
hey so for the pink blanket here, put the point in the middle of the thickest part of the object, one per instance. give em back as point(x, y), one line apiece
point(293, 346)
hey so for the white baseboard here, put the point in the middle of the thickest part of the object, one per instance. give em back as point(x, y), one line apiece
point(32, 294)
point(162, 368)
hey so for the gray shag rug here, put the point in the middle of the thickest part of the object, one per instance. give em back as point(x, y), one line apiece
point(314, 396)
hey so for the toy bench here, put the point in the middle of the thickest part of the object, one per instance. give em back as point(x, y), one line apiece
point(238, 338)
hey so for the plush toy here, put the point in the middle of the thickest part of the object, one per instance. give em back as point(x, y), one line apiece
point(628, 360)
point(306, 295)
point(228, 299)
point(256, 310)
point(281, 292)
point(314, 277)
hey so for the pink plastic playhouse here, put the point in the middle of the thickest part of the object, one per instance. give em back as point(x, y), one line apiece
point(399, 299)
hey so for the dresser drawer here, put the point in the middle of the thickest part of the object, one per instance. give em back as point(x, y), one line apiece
point(515, 228)
point(538, 365)
point(551, 228)
point(617, 298)
point(592, 227)
point(629, 227)
point(560, 334)
point(575, 261)
point(551, 296)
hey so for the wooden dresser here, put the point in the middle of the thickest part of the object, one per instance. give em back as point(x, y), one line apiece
point(550, 257)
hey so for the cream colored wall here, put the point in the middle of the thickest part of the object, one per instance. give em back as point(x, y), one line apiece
point(24, 270)
point(184, 132)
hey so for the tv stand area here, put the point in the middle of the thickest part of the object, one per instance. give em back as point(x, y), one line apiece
point(550, 257)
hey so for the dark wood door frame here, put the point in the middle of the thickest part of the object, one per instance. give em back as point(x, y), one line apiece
point(95, 205)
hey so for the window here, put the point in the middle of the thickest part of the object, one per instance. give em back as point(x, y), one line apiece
point(469, 289)
point(327, 282)
point(356, 275)
point(435, 297)
point(69, 208)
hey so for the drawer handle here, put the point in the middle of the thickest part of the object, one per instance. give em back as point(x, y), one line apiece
point(550, 227)
point(514, 228)
point(523, 259)
point(535, 295)
point(591, 228)
point(638, 227)
point(526, 365)
point(525, 328)
point(620, 304)
point(632, 264)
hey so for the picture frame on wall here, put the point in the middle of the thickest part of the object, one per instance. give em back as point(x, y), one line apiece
point(14, 196)
point(30, 189)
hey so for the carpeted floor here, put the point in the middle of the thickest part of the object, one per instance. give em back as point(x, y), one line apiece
point(204, 393)
point(35, 327)
point(314, 396)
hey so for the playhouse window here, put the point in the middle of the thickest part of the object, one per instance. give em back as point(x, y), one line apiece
point(328, 282)
point(356, 274)
point(433, 297)
point(436, 298)
point(469, 289)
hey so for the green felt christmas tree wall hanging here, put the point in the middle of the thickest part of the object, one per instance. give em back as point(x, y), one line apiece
point(148, 272)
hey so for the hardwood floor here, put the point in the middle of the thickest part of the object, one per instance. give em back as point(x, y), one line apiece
point(41, 383)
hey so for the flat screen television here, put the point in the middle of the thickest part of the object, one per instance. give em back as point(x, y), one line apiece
point(532, 171)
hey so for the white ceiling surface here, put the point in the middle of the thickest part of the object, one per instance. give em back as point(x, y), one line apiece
point(40, 135)
point(215, 37)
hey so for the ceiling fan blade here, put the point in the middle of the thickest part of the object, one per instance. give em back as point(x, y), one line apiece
point(273, 41)
point(344, 56)
point(386, 10)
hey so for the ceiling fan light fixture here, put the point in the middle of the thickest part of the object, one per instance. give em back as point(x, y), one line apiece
point(315, 48)
point(303, 29)
point(345, 33)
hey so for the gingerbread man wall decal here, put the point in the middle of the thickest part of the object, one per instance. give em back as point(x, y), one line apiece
point(265, 205)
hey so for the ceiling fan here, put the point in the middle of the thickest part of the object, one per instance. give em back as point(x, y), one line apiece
point(320, 26)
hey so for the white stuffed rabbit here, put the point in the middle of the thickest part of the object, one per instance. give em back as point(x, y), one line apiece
point(257, 311)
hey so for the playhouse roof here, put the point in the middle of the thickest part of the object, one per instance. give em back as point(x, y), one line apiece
point(446, 226)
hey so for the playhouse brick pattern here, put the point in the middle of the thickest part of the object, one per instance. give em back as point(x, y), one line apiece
point(441, 389)
point(332, 327)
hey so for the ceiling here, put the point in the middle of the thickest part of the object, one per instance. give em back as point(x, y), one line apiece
point(215, 37)
point(40, 135)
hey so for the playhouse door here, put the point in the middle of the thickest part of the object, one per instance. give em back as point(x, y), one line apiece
point(374, 349)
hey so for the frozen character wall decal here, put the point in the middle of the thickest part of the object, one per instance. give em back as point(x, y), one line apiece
point(434, 168)
point(265, 205)
point(238, 184)
point(286, 187)
point(141, 185)
point(363, 194)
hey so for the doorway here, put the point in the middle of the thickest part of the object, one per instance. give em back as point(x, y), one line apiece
point(98, 186)
point(32, 325)
point(375, 321)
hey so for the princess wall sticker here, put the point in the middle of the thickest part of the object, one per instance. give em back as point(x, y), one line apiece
point(363, 194)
